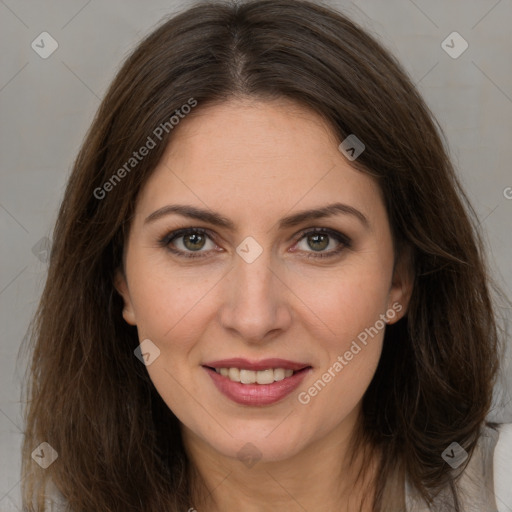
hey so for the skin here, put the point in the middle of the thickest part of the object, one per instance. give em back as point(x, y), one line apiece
point(255, 162)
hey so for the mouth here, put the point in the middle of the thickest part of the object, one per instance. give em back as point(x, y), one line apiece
point(256, 383)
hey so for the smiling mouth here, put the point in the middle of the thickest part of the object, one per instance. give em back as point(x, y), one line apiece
point(267, 376)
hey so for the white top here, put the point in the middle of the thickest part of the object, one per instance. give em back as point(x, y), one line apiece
point(485, 485)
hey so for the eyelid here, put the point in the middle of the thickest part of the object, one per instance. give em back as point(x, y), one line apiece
point(175, 233)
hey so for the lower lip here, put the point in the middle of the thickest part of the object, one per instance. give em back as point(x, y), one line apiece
point(257, 394)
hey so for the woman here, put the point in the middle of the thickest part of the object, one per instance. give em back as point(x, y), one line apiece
point(266, 288)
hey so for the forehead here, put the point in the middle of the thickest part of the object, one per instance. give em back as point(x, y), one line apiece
point(256, 156)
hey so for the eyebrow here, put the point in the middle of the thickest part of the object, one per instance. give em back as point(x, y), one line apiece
point(216, 219)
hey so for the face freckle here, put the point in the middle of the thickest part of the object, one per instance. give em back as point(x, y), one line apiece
point(253, 292)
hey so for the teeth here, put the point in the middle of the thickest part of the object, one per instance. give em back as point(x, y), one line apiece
point(248, 376)
point(264, 377)
point(234, 374)
point(279, 373)
point(251, 377)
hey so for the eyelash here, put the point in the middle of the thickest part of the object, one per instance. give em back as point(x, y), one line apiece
point(345, 242)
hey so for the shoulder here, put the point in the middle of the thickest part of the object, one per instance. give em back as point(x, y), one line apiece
point(53, 499)
point(486, 483)
point(502, 465)
point(488, 476)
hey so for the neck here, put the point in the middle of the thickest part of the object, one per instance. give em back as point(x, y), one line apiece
point(321, 477)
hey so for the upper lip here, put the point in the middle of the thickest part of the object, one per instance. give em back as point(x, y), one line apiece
point(262, 364)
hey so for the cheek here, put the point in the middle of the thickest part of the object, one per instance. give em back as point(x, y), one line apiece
point(172, 310)
point(351, 348)
point(351, 305)
point(165, 303)
point(345, 301)
point(339, 386)
point(172, 315)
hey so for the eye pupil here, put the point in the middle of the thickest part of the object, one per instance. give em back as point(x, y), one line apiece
point(196, 237)
point(315, 238)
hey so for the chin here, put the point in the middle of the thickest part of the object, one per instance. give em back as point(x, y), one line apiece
point(267, 442)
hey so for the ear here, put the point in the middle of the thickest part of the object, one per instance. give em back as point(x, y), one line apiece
point(402, 284)
point(122, 288)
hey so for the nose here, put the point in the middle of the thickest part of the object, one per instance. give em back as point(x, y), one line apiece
point(256, 300)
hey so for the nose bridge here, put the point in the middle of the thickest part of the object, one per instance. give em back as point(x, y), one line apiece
point(253, 266)
point(254, 303)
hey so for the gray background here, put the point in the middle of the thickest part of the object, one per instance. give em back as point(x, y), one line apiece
point(46, 105)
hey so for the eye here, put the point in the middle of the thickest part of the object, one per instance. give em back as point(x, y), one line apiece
point(319, 239)
point(189, 242)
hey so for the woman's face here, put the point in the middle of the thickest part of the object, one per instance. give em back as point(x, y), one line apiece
point(260, 285)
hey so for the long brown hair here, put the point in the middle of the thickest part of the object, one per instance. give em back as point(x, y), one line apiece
point(119, 446)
